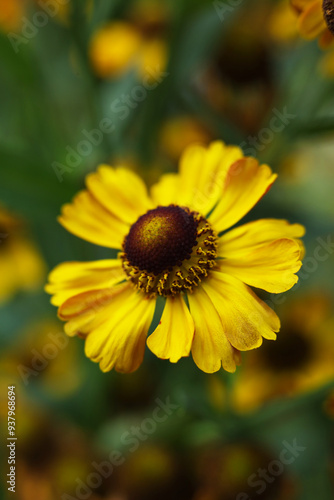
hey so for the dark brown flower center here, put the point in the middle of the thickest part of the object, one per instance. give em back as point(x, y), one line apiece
point(169, 250)
point(328, 8)
point(161, 239)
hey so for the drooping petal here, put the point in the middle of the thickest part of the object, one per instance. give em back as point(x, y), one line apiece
point(311, 22)
point(270, 266)
point(210, 349)
point(245, 318)
point(120, 191)
point(173, 337)
point(115, 322)
point(245, 183)
point(88, 219)
point(71, 278)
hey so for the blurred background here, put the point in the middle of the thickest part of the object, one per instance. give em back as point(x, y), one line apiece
point(133, 83)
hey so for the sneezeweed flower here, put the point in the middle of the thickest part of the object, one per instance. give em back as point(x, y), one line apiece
point(315, 20)
point(21, 265)
point(119, 46)
point(174, 245)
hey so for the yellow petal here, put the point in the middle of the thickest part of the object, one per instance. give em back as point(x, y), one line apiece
point(211, 349)
point(88, 219)
point(253, 233)
point(120, 191)
point(119, 341)
point(246, 182)
point(270, 266)
point(300, 5)
point(203, 172)
point(166, 191)
point(173, 337)
point(71, 278)
point(245, 318)
point(115, 322)
point(311, 22)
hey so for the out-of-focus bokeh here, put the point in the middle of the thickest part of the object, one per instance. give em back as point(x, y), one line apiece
point(133, 83)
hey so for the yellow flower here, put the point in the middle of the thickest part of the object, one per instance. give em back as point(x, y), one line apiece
point(21, 266)
point(120, 45)
point(114, 48)
point(315, 20)
point(174, 246)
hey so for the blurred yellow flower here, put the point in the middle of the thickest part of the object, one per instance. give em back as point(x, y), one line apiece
point(179, 132)
point(21, 265)
point(120, 45)
point(315, 20)
point(11, 14)
point(302, 360)
point(171, 245)
point(114, 48)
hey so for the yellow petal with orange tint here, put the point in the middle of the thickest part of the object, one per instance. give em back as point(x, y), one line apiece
point(203, 172)
point(245, 184)
point(71, 278)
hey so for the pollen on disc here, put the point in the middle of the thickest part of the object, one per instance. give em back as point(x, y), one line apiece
point(161, 238)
